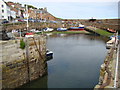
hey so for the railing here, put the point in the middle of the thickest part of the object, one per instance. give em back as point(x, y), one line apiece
point(116, 68)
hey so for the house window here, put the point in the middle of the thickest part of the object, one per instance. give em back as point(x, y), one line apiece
point(2, 6)
point(2, 11)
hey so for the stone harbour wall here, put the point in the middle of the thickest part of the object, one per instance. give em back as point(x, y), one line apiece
point(20, 66)
point(107, 71)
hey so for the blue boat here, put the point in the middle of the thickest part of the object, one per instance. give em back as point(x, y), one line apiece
point(76, 28)
point(79, 28)
point(61, 29)
point(114, 36)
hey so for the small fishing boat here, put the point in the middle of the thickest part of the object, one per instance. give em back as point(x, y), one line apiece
point(35, 31)
point(80, 28)
point(48, 29)
point(61, 29)
point(76, 28)
point(49, 54)
point(110, 44)
point(29, 34)
point(111, 30)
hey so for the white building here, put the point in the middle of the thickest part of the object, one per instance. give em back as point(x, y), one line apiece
point(13, 14)
point(5, 12)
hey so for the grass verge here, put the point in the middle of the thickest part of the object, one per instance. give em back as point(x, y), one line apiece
point(69, 32)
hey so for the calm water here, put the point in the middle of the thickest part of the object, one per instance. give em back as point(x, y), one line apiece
point(76, 62)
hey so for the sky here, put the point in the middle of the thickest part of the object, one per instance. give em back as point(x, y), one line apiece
point(77, 9)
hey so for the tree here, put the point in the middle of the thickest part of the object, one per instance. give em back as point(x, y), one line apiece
point(30, 6)
point(92, 20)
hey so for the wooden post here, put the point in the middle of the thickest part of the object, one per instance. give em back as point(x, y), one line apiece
point(27, 58)
point(27, 48)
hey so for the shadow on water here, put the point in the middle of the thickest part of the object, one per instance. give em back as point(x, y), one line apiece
point(38, 83)
point(76, 61)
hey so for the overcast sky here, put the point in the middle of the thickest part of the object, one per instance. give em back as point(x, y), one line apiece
point(64, 0)
point(77, 9)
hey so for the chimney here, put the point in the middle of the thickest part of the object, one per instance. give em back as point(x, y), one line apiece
point(45, 8)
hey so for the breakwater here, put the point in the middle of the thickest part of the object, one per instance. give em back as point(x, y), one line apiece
point(103, 23)
point(98, 31)
point(20, 66)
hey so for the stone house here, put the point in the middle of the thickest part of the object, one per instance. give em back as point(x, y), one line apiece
point(16, 7)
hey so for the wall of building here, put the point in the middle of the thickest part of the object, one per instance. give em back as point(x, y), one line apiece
point(13, 14)
point(20, 66)
point(5, 12)
point(6, 9)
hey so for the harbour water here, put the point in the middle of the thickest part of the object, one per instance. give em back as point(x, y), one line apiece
point(76, 61)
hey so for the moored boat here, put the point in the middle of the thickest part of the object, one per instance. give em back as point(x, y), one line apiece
point(76, 28)
point(48, 29)
point(110, 43)
point(61, 29)
point(49, 54)
point(111, 30)
point(80, 28)
point(29, 34)
point(35, 31)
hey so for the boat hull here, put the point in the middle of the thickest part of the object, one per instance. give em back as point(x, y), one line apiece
point(49, 56)
point(76, 28)
point(61, 29)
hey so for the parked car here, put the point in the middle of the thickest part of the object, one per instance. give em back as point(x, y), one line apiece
point(5, 21)
point(20, 20)
point(14, 21)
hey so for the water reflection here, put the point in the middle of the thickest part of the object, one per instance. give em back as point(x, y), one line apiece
point(39, 83)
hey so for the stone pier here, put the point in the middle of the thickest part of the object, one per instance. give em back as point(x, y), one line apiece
point(107, 71)
point(22, 65)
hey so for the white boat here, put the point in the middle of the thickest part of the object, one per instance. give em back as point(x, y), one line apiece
point(35, 31)
point(49, 55)
point(61, 29)
point(110, 43)
point(14, 31)
point(32, 30)
point(29, 34)
point(48, 29)
point(80, 25)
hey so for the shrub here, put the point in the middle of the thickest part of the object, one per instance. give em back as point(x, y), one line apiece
point(22, 44)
